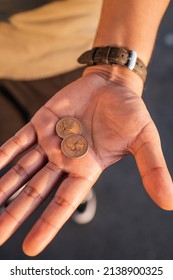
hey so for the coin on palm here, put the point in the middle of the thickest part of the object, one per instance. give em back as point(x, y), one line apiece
point(74, 146)
point(67, 126)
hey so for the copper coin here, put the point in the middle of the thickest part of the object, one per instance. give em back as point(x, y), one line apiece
point(67, 126)
point(74, 146)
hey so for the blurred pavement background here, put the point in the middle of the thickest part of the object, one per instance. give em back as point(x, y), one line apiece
point(127, 225)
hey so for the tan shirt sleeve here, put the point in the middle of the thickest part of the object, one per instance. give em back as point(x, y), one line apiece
point(47, 41)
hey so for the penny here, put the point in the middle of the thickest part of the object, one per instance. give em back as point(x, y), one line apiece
point(67, 126)
point(74, 146)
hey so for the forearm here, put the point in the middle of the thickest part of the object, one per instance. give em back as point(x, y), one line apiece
point(131, 24)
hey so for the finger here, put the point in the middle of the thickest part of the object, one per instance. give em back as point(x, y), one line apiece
point(152, 167)
point(69, 195)
point(21, 172)
point(28, 200)
point(22, 140)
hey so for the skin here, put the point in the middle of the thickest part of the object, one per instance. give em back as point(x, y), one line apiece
point(131, 24)
point(107, 101)
point(116, 123)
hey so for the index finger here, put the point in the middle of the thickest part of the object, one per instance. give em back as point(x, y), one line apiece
point(69, 195)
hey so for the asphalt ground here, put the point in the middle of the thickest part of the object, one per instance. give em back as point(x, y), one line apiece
point(127, 225)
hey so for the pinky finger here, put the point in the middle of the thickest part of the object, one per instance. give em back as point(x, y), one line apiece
point(22, 140)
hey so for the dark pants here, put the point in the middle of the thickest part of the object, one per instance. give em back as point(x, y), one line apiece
point(19, 100)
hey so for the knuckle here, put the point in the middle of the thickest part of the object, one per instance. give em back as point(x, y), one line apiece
point(4, 152)
point(20, 170)
point(45, 220)
point(141, 139)
point(62, 202)
point(152, 170)
point(39, 150)
point(17, 140)
point(8, 212)
point(32, 192)
point(52, 167)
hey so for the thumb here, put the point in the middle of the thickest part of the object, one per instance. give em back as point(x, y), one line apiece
point(152, 166)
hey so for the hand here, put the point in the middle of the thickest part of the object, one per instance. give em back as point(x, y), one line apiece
point(115, 123)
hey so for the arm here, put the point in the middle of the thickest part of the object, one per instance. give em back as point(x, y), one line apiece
point(116, 123)
point(131, 24)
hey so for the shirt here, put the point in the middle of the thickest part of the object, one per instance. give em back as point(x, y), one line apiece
point(42, 38)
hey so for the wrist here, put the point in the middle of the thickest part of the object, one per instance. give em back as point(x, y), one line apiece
point(130, 24)
point(112, 55)
point(119, 75)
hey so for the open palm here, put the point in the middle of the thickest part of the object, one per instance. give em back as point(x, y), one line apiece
point(115, 123)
